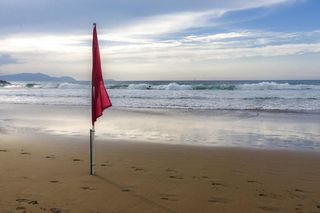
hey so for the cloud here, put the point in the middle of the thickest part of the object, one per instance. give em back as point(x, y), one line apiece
point(151, 27)
point(181, 33)
point(76, 16)
point(185, 49)
point(43, 43)
point(7, 59)
point(143, 30)
point(220, 46)
point(215, 37)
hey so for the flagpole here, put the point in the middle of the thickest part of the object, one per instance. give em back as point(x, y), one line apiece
point(91, 147)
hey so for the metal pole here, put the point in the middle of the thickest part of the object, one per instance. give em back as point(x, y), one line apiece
point(91, 147)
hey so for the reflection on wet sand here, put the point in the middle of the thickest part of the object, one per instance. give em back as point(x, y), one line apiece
point(272, 130)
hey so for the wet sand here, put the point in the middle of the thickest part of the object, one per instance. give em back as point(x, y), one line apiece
point(50, 174)
point(221, 128)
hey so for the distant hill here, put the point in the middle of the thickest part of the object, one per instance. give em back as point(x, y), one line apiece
point(35, 77)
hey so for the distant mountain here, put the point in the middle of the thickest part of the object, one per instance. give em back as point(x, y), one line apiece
point(35, 77)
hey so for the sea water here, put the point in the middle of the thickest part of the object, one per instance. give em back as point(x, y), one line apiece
point(289, 96)
point(255, 114)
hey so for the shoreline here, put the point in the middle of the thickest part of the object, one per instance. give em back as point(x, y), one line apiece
point(267, 130)
point(84, 140)
point(200, 110)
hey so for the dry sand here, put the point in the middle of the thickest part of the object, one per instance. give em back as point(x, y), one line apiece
point(51, 175)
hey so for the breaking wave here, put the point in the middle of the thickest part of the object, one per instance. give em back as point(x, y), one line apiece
point(192, 85)
point(218, 86)
point(277, 86)
point(240, 95)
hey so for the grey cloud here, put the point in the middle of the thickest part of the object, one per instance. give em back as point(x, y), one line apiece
point(7, 59)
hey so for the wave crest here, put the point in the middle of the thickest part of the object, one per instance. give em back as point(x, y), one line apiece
point(277, 86)
point(170, 86)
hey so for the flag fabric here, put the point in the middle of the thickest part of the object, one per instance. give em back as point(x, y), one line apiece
point(100, 97)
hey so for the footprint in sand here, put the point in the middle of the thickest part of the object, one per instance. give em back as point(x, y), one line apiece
point(76, 159)
point(23, 200)
point(55, 210)
point(106, 163)
point(200, 177)
point(138, 169)
point(54, 181)
point(298, 193)
point(299, 207)
point(3, 150)
point(33, 202)
point(126, 190)
point(219, 200)
point(299, 190)
point(50, 157)
point(170, 170)
point(169, 197)
point(25, 153)
point(216, 184)
point(269, 208)
point(253, 181)
point(21, 208)
point(87, 188)
point(175, 177)
point(268, 195)
point(262, 195)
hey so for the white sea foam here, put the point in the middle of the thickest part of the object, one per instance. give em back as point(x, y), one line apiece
point(276, 86)
point(13, 86)
point(70, 86)
point(222, 86)
point(175, 86)
point(170, 86)
point(139, 86)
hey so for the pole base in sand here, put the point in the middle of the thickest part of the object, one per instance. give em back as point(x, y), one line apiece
point(91, 153)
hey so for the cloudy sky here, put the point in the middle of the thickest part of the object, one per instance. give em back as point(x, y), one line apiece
point(163, 39)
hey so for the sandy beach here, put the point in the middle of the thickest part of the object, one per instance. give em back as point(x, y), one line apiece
point(158, 161)
point(50, 174)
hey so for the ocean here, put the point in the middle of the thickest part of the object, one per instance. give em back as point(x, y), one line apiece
point(287, 96)
point(254, 114)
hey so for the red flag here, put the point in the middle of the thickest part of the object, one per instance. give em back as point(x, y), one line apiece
point(100, 98)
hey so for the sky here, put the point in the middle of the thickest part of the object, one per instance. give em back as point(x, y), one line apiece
point(163, 39)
